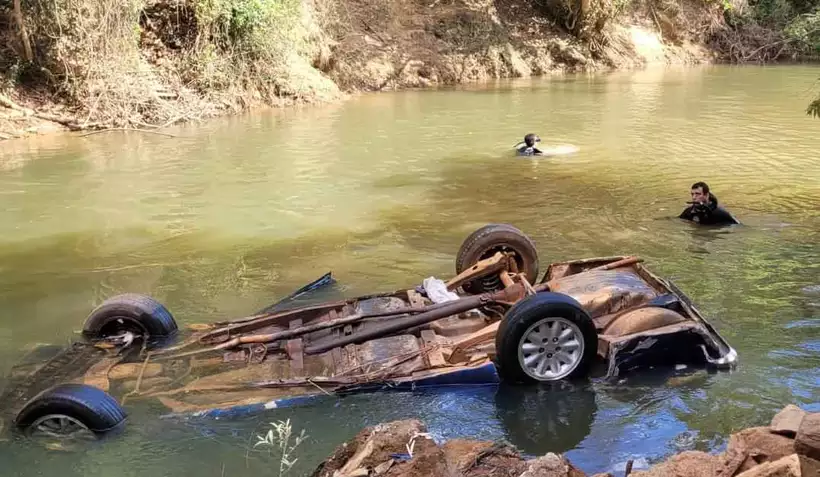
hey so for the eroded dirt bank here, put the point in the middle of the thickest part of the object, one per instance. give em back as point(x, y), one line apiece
point(788, 447)
point(179, 69)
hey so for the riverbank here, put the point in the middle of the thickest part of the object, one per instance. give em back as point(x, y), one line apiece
point(185, 66)
point(788, 447)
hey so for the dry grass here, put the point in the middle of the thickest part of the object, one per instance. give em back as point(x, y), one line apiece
point(150, 63)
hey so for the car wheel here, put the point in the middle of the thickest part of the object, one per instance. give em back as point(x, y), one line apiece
point(484, 243)
point(137, 315)
point(545, 337)
point(70, 412)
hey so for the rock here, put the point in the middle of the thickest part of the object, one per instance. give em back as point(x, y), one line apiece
point(809, 467)
point(462, 453)
point(474, 459)
point(519, 67)
point(788, 466)
point(807, 441)
point(551, 465)
point(428, 459)
point(787, 421)
point(685, 464)
point(373, 446)
point(758, 445)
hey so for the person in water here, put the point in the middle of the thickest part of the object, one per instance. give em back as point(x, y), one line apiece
point(704, 208)
point(529, 149)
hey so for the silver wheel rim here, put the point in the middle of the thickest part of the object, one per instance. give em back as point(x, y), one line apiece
point(551, 349)
point(61, 428)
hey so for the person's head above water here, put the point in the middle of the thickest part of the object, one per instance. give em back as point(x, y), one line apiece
point(700, 193)
point(530, 139)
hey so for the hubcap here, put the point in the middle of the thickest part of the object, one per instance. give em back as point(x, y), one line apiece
point(60, 428)
point(551, 349)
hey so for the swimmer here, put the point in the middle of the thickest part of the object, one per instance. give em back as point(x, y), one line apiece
point(529, 149)
point(704, 208)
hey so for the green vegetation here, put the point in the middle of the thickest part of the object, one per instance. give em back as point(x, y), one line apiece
point(249, 44)
point(814, 108)
point(281, 441)
point(141, 63)
point(150, 63)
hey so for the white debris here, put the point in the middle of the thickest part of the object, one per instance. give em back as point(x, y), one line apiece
point(437, 290)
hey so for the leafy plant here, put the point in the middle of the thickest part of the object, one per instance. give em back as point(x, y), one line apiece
point(278, 437)
point(814, 108)
point(804, 31)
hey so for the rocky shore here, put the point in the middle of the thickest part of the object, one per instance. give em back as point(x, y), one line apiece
point(788, 447)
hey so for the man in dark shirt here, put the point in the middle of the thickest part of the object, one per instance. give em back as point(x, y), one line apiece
point(704, 208)
point(529, 149)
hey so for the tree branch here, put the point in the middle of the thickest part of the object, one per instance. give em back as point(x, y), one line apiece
point(21, 24)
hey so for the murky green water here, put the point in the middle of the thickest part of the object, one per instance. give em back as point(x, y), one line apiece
point(381, 190)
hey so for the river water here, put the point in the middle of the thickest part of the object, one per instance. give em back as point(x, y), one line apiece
point(381, 190)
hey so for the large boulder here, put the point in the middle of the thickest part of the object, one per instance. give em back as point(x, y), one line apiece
point(754, 446)
point(788, 466)
point(373, 446)
point(551, 465)
point(685, 464)
point(787, 421)
point(807, 441)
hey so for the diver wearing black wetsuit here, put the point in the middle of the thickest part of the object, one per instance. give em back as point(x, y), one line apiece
point(529, 149)
point(705, 209)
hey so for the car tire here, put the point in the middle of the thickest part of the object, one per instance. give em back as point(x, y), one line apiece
point(520, 330)
point(130, 312)
point(91, 407)
point(484, 243)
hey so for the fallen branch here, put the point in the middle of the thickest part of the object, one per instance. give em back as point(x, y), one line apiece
point(7, 102)
point(769, 45)
point(146, 131)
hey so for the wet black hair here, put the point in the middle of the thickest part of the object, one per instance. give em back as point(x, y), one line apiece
point(531, 139)
point(702, 186)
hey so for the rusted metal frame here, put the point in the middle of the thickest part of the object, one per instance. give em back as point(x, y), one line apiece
point(496, 263)
point(295, 346)
point(284, 383)
point(261, 316)
point(274, 319)
point(459, 352)
point(293, 332)
point(510, 279)
point(291, 314)
point(507, 279)
point(583, 261)
point(434, 358)
point(624, 262)
point(165, 354)
point(450, 308)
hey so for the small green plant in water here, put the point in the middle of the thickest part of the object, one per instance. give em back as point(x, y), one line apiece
point(279, 437)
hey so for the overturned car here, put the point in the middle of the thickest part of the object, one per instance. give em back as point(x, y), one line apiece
point(495, 320)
